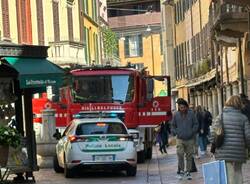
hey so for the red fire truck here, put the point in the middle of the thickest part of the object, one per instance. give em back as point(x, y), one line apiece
point(122, 90)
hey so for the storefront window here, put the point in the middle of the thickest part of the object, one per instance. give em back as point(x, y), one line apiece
point(7, 99)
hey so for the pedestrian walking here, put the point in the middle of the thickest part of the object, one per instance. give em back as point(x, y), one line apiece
point(236, 138)
point(164, 132)
point(208, 119)
point(202, 130)
point(246, 106)
point(185, 127)
point(246, 111)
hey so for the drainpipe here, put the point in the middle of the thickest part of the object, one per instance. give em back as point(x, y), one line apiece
point(241, 68)
point(221, 77)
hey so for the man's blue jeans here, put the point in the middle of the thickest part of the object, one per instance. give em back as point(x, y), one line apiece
point(203, 142)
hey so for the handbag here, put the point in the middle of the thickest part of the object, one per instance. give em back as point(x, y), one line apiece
point(219, 134)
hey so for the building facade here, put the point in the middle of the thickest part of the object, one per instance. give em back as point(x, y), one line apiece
point(204, 49)
point(139, 33)
point(69, 27)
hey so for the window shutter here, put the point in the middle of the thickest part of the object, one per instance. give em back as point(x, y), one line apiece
point(88, 40)
point(140, 45)
point(70, 23)
point(81, 30)
point(126, 46)
point(5, 19)
point(86, 44)
point(56, 21)
point(40, 22)
point(23, 22)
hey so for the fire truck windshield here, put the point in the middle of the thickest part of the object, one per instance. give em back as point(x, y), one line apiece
point(103, 89)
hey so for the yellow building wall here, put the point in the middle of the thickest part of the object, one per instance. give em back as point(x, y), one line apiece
point(196, 18)
point(205, 12)
point(147, 58)
point(180, 33)
point(93, 29)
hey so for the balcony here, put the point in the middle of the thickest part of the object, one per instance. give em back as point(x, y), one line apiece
point(66, 52)
point(228, 20)
point(133, 21)
point(238, 2)
point(119, 2)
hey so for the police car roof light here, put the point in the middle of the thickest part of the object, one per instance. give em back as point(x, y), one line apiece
point(98, 114)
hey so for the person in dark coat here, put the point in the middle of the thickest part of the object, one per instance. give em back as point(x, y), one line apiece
point(162, 136)
point(236, 139)
point(246, 110)
point(246, 105)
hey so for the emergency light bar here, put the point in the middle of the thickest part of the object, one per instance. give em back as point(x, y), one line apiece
point(100, 114)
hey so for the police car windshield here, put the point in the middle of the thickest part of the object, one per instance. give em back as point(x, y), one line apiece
point(100, 128)
point(103, 88)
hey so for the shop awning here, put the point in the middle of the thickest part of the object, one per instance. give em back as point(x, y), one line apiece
point(36, 72)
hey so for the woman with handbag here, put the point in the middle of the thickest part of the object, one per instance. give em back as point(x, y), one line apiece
point(234, 128)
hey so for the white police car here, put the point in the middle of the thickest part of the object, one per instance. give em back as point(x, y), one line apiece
point(95, 143)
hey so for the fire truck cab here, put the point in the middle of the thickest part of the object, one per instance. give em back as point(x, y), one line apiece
point(122, 90)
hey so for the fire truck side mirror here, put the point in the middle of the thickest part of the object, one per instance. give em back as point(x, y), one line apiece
point(150, 88)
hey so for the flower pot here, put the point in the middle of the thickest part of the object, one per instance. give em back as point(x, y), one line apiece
point(4, 152)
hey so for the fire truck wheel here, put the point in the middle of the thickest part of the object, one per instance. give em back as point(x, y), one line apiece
point(149, 153)
point(141, 156)
point(56, 166)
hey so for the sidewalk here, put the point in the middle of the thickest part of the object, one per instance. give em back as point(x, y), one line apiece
point(168, 168)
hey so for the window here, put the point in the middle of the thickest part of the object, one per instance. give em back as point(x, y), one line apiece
point(40, 22)
point(100, 128)
point(5, 18)
point(133, 46)
point(104, 88)
point(139, 66)
point(161, 43)
point(70, 23)
point(56, 24)
point(86, 6)
point(94, 12)
point(86, 48)
point(96, 48)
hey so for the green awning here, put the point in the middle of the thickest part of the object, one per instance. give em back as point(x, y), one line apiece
point(36, 72)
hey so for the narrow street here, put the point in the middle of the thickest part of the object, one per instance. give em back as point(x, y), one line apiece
point(160, 170)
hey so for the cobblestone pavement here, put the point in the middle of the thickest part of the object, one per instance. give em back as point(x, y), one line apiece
point(160, 170)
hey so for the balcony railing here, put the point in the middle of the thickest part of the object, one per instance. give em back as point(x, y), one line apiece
point(110, 2)
point(219, 13)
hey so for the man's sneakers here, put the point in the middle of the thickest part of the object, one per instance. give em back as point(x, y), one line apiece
point(182, 175)
point(188, 176)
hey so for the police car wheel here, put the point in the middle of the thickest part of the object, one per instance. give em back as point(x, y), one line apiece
point(56, 165)
point(131, 171)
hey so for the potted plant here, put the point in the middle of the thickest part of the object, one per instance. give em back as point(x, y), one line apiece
point(9, 137)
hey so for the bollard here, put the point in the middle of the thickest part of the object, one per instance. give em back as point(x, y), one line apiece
point(46, 143)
